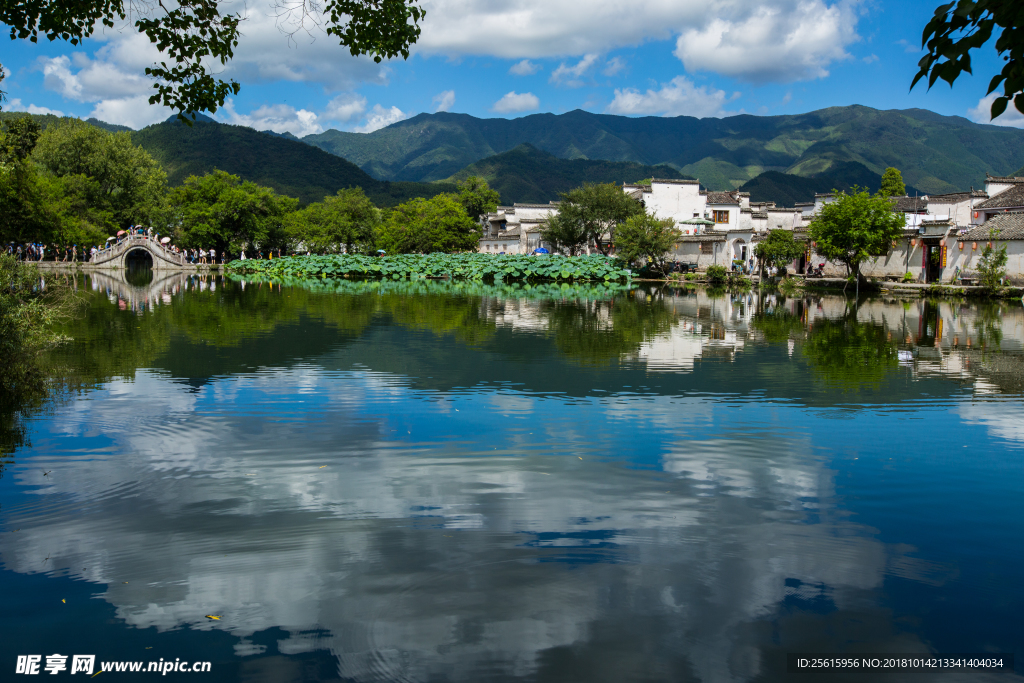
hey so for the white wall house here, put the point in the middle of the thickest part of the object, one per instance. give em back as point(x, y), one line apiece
point(515, 229)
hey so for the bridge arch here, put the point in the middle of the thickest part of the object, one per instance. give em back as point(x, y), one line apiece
point(132, 248)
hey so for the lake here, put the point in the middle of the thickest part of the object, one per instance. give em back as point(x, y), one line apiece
point(460, 482)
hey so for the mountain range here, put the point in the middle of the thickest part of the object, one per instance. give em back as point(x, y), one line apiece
point(786, 189)
point(776, 158)
point(935, 153)
point(527, 175)
point(290, 167)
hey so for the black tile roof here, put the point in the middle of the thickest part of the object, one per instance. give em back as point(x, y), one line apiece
point(957, 197)
point(909, 204)
point(1010, 226)
point(1012, 197)
point(722, 198)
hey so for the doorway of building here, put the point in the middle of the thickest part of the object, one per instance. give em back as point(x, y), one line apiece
point(932, 262)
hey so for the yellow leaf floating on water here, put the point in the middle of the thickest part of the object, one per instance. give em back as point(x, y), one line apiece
point(580, 457)
point(210, 616)
point(64, 601)
point(322, 466)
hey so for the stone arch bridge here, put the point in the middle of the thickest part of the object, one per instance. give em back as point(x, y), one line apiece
point(117, 256)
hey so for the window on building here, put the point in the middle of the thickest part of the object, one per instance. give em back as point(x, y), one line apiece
point(721, 216)
point(707, 247)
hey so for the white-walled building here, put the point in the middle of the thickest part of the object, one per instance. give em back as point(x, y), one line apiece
point(515, 229)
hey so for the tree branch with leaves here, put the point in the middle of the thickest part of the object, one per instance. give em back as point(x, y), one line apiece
point(194, 33)
point(958, 27)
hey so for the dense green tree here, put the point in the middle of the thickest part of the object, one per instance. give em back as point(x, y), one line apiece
point(194, 35)
point(599, 209)
point(777, 249)
point(477, 198)
point(428, 225)
point(644, 237)
point(960, 26)
point(566, 234)
point(221, 211)
point(856, 227)
point(345, 221)
point(892, 183)
point(35, 207)
point(124, 181)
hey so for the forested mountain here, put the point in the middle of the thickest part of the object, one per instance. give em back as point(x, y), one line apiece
point(935, 153)
point(290, 167)
point(785, 189)
point(526, 174)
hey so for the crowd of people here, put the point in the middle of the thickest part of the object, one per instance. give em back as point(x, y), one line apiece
point(74, 253)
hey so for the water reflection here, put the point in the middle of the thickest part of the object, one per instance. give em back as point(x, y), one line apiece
point(463, 483)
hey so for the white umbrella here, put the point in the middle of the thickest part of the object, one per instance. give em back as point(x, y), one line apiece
point(165, 240)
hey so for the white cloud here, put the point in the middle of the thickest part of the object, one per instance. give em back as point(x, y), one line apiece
point(266, 54)
point(552, 28)
point(14, 104)
point(345, 107)
point(680, 97)
point(33, 109)
point(380, 117)
point(570, 75)
point(982, 113)
point(614, 66)
point(94, 80)
point(280, 118)
point(134, 112)
point(758, 40)
point(524, 68)
point(515, 102)
point(444, 101)
point(788, 40)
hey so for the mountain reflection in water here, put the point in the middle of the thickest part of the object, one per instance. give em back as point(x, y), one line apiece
point(429, 481)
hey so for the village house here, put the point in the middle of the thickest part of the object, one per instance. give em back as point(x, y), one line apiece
point(946, 233)
point(942, 242)
point(515, 229)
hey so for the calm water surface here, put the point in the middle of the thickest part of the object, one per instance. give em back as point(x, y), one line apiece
point(465, 483)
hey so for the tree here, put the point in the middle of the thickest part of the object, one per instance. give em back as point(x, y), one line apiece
point(347, 219)
point(992, 265)
point(777, 249)
point(23, 193)
point(856, 227)
point(219, 210)
point(892, 183)
point(598, 209)
point(477, 197)
point(644, 237)
point(964, 25)
point(118, 179)
point(194, 34)
point(428, 225)
point(566, 234)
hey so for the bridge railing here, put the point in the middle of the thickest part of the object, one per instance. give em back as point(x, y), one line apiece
point(123, 245)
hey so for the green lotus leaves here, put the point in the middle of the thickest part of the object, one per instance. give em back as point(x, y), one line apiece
point(466, 266)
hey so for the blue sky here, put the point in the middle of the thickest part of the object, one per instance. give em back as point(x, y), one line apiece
point(511, 58)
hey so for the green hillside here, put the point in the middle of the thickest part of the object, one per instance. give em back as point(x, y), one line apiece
point(292, 168)
point(785, 189)
point(935, 153)
point(527, 175)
